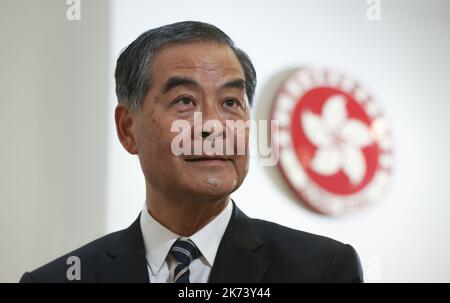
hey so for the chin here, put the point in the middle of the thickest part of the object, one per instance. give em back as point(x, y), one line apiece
point(212, 187)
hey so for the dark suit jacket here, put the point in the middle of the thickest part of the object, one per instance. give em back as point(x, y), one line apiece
point(251, 250)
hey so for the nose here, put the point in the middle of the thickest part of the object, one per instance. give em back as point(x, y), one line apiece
point(212, 120)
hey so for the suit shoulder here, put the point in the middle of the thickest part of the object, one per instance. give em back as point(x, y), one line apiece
point(299, 256)
point(275, 233)
point(87, 255)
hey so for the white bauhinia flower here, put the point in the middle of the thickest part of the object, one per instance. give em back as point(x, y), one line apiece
point(338, 139)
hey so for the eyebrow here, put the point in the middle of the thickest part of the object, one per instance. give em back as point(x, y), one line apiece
point(236, 83)
point(175, 81)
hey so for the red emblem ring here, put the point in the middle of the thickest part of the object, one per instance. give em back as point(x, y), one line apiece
point(335, 147)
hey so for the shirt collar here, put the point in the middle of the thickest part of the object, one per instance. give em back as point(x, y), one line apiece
point(158, 239)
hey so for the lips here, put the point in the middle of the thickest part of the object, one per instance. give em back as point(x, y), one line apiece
point(205, 158)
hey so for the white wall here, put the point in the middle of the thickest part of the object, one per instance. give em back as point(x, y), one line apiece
point(404, 61)
point(53, 100)
point(65, 179)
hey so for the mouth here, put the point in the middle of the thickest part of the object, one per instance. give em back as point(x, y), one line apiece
point(211, 160)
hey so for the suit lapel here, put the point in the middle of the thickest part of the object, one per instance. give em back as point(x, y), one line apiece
point(126, 260)
point(239, 257)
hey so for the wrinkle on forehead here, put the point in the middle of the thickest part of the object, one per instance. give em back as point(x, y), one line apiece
point(207, 67)
point(197, 58)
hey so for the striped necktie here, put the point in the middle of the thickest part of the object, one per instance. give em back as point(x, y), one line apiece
point(184, 251)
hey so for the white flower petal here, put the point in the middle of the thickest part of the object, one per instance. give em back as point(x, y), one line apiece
point(327, 161)
point(353, 163)
point(355, 133)
point(315, 129)
point(334, 111)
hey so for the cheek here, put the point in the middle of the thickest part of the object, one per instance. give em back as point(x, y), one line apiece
point(152, 142)
point(241, 164)
point(155, 135)
point(242, 159)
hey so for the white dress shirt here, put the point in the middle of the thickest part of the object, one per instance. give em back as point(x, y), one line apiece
point(158, 240)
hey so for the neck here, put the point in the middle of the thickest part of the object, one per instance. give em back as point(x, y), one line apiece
point(183, 216)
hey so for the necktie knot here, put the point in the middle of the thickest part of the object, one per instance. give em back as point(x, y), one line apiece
point(184, 251)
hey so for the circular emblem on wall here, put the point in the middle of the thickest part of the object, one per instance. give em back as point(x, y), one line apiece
point(335, 147)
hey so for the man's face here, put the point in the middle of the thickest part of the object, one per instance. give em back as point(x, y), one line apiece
point(202, 77)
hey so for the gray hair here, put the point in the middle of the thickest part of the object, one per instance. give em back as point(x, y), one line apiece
point(134, 65)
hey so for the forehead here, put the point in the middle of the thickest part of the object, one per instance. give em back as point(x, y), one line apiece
point(208, 60)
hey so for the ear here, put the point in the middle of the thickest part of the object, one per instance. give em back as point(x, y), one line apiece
point(125, 130)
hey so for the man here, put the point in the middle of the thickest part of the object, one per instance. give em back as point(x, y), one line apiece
point(189, 229)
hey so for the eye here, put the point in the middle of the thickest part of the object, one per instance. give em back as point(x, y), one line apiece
point(231, 103)
point(184, 102)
